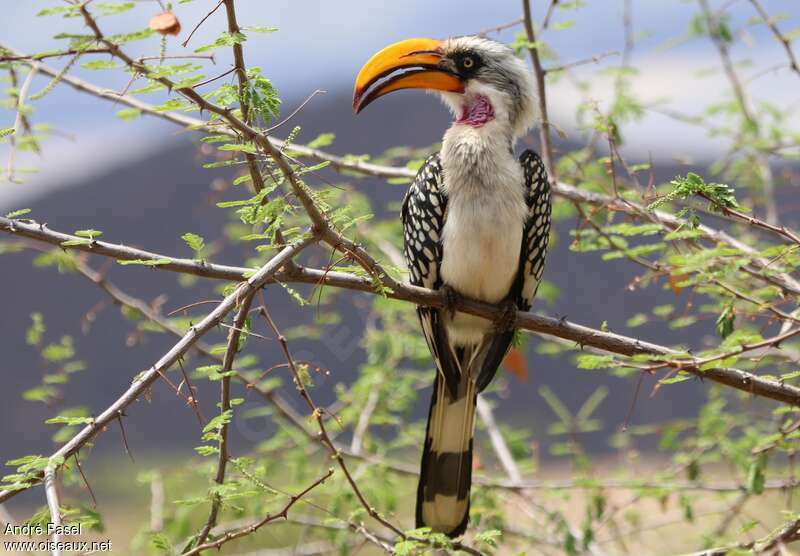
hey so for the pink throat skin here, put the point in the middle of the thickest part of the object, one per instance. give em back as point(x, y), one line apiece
point(477, 113)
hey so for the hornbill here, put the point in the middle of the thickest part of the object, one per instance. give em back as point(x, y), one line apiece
point(476, 223)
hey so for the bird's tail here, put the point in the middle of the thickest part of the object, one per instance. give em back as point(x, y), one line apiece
point(446, 472)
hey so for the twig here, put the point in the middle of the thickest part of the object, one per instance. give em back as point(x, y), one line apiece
point(295, 111)
point(744, 105)
point(225, 405)
point(85, 480)
point(237, 533)
point(196, 27)
point(120, 414)
point(783, 39)
point(544, 128)
point(498, 442)
point(22, 94)
point(591, 60)
point(503, 26)
point(44, 55)
point(550, 9)
point(781, 231)
point(53, 504)
point(212, 79)
point(364, 418)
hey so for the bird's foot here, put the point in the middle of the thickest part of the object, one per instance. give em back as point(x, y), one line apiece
point(508, 316)
point(451, 298)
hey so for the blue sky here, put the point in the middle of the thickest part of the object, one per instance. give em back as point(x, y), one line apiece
point(322, 44)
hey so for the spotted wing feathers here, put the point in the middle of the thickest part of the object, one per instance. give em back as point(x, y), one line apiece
point(537, 228)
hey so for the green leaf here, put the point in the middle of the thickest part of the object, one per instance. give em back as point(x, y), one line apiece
point(719, 195)
point(100, 64)
point(239, 147)
point(125, 38)
point(55, 10)
point(257, 29)
point(322, 140)
point(636, 320)
point(225, 39)
point(680, 377)
point(489, 537)
point(34, 334)
point(194, 241)
point(682, 322)
point(90, 234)
point(129, 114)
point(726, 321)
point(17, 213)
point(74, 242)
point(755, 474)
point(109, 8)
point(588, 361)
point(70, 421)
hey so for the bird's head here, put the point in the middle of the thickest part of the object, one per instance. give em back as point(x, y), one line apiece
point(480, 79)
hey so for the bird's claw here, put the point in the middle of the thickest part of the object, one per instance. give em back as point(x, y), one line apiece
point(451, 298)
point(508, 316)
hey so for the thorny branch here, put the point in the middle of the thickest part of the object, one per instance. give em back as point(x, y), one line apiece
point(561, 328)
point(225, 406)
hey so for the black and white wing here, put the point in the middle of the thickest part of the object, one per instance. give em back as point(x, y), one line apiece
point(423, 215)
point(536, 234)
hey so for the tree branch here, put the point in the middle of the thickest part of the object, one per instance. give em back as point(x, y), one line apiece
point(544, 128)
point(53, 504)
point(225, 405)
point(787, 44)
point(561, 328)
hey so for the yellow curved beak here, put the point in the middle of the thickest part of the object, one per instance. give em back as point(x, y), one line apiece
point(417, 60)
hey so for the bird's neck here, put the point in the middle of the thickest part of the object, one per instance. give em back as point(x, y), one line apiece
point(477, 147)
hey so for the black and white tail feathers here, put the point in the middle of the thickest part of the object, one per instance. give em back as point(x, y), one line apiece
point(462, 371)
point(446, 470)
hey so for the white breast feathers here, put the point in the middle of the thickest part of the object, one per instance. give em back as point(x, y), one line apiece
point(482, 234)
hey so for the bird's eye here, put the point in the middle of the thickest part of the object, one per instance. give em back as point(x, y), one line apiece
point(468, 62)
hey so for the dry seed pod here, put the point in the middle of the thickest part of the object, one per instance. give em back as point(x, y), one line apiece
point(165, 23)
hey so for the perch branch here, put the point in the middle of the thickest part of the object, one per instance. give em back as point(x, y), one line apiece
point(561, 328)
